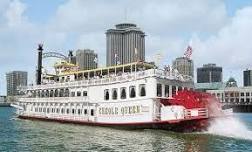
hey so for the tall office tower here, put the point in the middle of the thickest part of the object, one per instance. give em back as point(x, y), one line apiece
point(86, 59)
point(14, 80)
point(184, 66)
point(125, 44)
point(247, 78)
point(209, 73)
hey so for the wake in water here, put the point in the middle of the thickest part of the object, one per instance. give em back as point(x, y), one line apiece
point(230, 127)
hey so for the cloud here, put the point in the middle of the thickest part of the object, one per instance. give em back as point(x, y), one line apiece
point(231, 46)
point(14, 13)
point(166, 23)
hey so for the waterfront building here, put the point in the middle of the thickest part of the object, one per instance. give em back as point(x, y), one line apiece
point(14, 80)
point(239, 98)
point(125, 44)
point(203, 87)
point(247, 78)
point(209, 73)
point(86, 59)
point(231, 82)
point(184, 66)
point(2, 99)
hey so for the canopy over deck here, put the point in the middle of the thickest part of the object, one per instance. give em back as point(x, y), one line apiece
point(135, 66)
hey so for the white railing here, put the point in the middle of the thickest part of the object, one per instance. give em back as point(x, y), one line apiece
point(106, 80)
point(55, 99)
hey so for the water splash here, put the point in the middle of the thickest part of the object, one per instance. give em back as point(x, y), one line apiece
point(230, 127)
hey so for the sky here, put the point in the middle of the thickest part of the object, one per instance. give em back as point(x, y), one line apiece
point(220, 31)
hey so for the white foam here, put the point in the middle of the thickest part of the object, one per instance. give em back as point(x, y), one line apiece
point(230, 127)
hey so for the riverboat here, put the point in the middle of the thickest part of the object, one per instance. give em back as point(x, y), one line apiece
point(134, 95)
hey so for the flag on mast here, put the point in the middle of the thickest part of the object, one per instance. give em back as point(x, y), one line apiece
point(188, 52)
point(116, 59)
point(95, 60)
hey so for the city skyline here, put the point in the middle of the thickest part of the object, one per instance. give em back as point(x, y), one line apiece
point(220, 34)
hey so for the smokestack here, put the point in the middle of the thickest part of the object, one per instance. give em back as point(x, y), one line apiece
point(39, 68)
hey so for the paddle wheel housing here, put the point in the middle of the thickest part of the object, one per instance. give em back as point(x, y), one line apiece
point(193, 99)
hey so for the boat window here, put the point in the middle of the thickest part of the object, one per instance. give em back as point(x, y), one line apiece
point(159, 90)
point(43, 94)
point(67, 111)
point(44, 109)
point(58, 110)
point(84, 93)
point(123, 93)
point(73, 111)
point(106, 94)
point(61, 92)
point(48, 110)
point(167, 90)
point(173, 91)
point(62, 111)
point(51, 93)
point(34, 94)
point(179, 88)
point(92, 112)
point(114, 95)
point(67, 92)
point(132, 91)
point(78, 93)
point(37, 93)
point(79, 111)
point(56, 93)
point(72, 94)
point(85, 111)
point(47, 93)
point(142, 90)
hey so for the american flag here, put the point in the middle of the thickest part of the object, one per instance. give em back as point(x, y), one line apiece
point(188, 52)
point(95, 60)
point(117, 62)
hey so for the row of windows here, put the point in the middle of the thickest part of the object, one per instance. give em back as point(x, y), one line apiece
point(123, 94)
point(64, 111)
point(233, 94)
point(238, 100)
point(56, 93)
point(167, 90)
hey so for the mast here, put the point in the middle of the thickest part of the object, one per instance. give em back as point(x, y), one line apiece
point(39, 66)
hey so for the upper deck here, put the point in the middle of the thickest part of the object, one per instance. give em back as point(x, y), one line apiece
point(115, 74)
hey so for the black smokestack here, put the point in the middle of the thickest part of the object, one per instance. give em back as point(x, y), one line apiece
point(39, 70)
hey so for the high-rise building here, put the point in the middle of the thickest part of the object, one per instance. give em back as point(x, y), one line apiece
point(184, 66)
point(125, 44)
point(14, 80)
point(209, 73)
point(247, 78)
point(86, 59)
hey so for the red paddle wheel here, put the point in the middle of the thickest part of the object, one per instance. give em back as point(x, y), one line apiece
point(193, 99)
point(205, 103)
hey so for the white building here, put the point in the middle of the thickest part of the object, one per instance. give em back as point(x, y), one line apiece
point(234, 95)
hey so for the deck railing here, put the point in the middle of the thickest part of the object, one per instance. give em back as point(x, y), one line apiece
point(113, 79)
point(55, 99)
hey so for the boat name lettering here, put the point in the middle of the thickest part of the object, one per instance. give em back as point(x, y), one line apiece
point(123, 110)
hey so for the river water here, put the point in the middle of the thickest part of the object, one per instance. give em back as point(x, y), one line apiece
point(233, 134)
